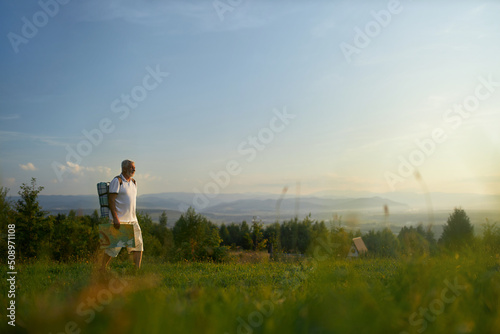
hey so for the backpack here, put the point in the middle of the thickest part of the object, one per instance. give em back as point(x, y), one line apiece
point(103, 192)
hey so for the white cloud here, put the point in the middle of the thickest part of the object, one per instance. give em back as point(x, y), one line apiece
point(141, 13)
point(28, 166)
point(78, 170)
point(199, 16)
point(19, 136)
point(9, 117)
point(77, 173)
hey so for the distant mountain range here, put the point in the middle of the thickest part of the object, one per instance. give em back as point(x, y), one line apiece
point(225, 203)
point(306, 204)
point(268, 207)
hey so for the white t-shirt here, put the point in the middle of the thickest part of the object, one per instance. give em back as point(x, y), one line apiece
point(126, 199)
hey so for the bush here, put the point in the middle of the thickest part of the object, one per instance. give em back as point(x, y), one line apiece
point(195, 237)
point(491, 237)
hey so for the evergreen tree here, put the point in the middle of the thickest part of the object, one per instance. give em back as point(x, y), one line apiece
point(4, 205)
point(257, 236)
point(272, 234)
point(236, 238)
point(5, 220)
point(341, 238)
point(413, 241)
point(458, 230)
point(246, 239)
point(381, 243)
point(289, 233)
point(163, 219)
point(491, 237)
point(73, 237)
point(225, 235)
point(195, 236)
point(33, 229)
point(304, 234)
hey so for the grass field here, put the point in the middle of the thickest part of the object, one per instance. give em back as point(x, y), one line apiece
point(445, 294)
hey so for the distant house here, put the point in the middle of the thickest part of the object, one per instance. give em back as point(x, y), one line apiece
point(358, 247)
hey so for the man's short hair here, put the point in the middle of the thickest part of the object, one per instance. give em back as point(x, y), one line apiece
point(126, 163)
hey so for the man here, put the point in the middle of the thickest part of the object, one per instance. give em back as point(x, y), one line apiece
point(122, 205)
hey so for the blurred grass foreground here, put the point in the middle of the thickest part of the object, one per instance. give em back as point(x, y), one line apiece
point(450, 293)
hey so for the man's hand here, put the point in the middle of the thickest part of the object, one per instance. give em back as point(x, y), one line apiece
point(112, 208)
point(116, 223)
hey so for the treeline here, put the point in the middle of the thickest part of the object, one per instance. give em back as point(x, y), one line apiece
point(193, 237)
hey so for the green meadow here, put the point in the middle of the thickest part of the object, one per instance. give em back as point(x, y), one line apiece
point(198, 277)
point(452, 293)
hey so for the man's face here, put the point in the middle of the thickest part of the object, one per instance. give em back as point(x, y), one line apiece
point(131, 169)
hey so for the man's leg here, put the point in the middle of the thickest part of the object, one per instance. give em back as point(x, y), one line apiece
point(107, 255)
point(105, 261)
point(137, 256)
point(137, 252)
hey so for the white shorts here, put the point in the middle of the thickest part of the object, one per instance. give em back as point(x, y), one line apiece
point(113, 252)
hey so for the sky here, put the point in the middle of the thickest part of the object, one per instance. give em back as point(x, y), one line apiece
point(235, 96)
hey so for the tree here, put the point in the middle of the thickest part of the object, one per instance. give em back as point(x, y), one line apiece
point(195, 236)
point(289, 234)
point(304, 234)
point(163, 219)
point(381, 243)
point(157, 237)
point(33, 229)
point(73, 237)
point(257, 237)
point(413, 241)
point(5, 220)
point(341, 238)
point(225, 235)
point(491, 237)
point(458, 231)
point(272, 234)
point(236, 239)
point(246, 239)
point(4, 204)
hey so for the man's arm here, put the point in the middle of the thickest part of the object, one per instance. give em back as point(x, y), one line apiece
point(112, 208)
